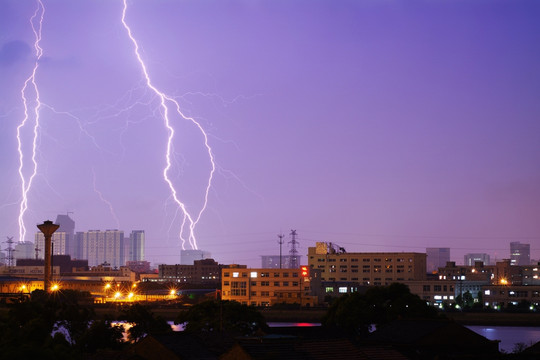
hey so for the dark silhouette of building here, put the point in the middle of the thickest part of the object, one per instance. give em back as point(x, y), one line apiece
point(65, 263)
point(520, 254)
point(206, 271)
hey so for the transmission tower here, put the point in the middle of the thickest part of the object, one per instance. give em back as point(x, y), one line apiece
point(10, 251)
point(293, 252)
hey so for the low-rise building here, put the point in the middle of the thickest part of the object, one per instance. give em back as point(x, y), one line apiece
point(206, 271)
point(265, 287)
point(500, 296)
point(381, 268)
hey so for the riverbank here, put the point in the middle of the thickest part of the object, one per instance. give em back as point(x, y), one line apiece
point(496, 319)
point(315, 316)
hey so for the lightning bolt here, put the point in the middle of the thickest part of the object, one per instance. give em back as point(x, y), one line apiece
point(189, 219)
point(30, 106)
point(111, 209)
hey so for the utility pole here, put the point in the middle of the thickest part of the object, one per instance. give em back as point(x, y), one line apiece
point(280, 242)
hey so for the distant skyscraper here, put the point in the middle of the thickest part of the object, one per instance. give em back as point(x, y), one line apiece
point(60, 244)
point(520, 254)
point(436, 258)
point(187, 257)
point(470, 259)
point(67, 226)
point(136, 246)
point(100, 247)
point(63, 239)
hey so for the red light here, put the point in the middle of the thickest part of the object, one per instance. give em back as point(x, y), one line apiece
point(305, 271)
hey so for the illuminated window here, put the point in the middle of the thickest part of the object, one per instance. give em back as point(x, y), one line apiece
point(487, 292)
point(235, 274)
point(343, 289)
point(253, 274)
point(329, 289)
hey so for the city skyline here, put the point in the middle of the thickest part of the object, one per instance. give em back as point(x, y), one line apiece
point(376, 126)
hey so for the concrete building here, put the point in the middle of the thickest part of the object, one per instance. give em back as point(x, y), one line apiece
point(60, 244)
point(206, 271)
point(63, 239)
point(471, 259)
point(187, 257)
point(273, 261)
point(520, 254)
point(265, 287)
point(67, 226)
point(435, 292)
point(530, 274)
point(64, 262)
point(136, 245)
point(500, 296)
point(436, 258)
point(103, 247)
point(366, 268)
point(24, 250)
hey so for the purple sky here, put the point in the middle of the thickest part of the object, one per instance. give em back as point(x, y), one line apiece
point(376, 125)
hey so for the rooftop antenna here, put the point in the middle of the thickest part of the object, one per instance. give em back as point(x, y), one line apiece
point(280, 242)
point(293, 252)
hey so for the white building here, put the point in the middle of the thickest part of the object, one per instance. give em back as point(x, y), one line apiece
point(187, 257)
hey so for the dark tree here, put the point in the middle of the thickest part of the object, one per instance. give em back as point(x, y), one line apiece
point(218, 316)
point(144, 322)
point(355, 313)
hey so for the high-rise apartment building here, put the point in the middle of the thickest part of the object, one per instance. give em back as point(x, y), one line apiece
point(67, 226)
point(63, 239)
point(436, 258)
point(100, 247)
point(471, 259)
point(60, 244)
point(520, 254)
point(135, 246)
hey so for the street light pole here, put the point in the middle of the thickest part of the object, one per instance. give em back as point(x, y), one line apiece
point(47, 228)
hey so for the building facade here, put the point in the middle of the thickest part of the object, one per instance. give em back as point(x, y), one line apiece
point(59, 242)
point(187, 257)
point(520, 254)
point(266, 287)
point(501, 296)
point(471, 259)
point(103, 247)
point(136, 245)
point(277, 262)
point(24, 250)
point(366, 268)
point(436, 258)
point(206, 271)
